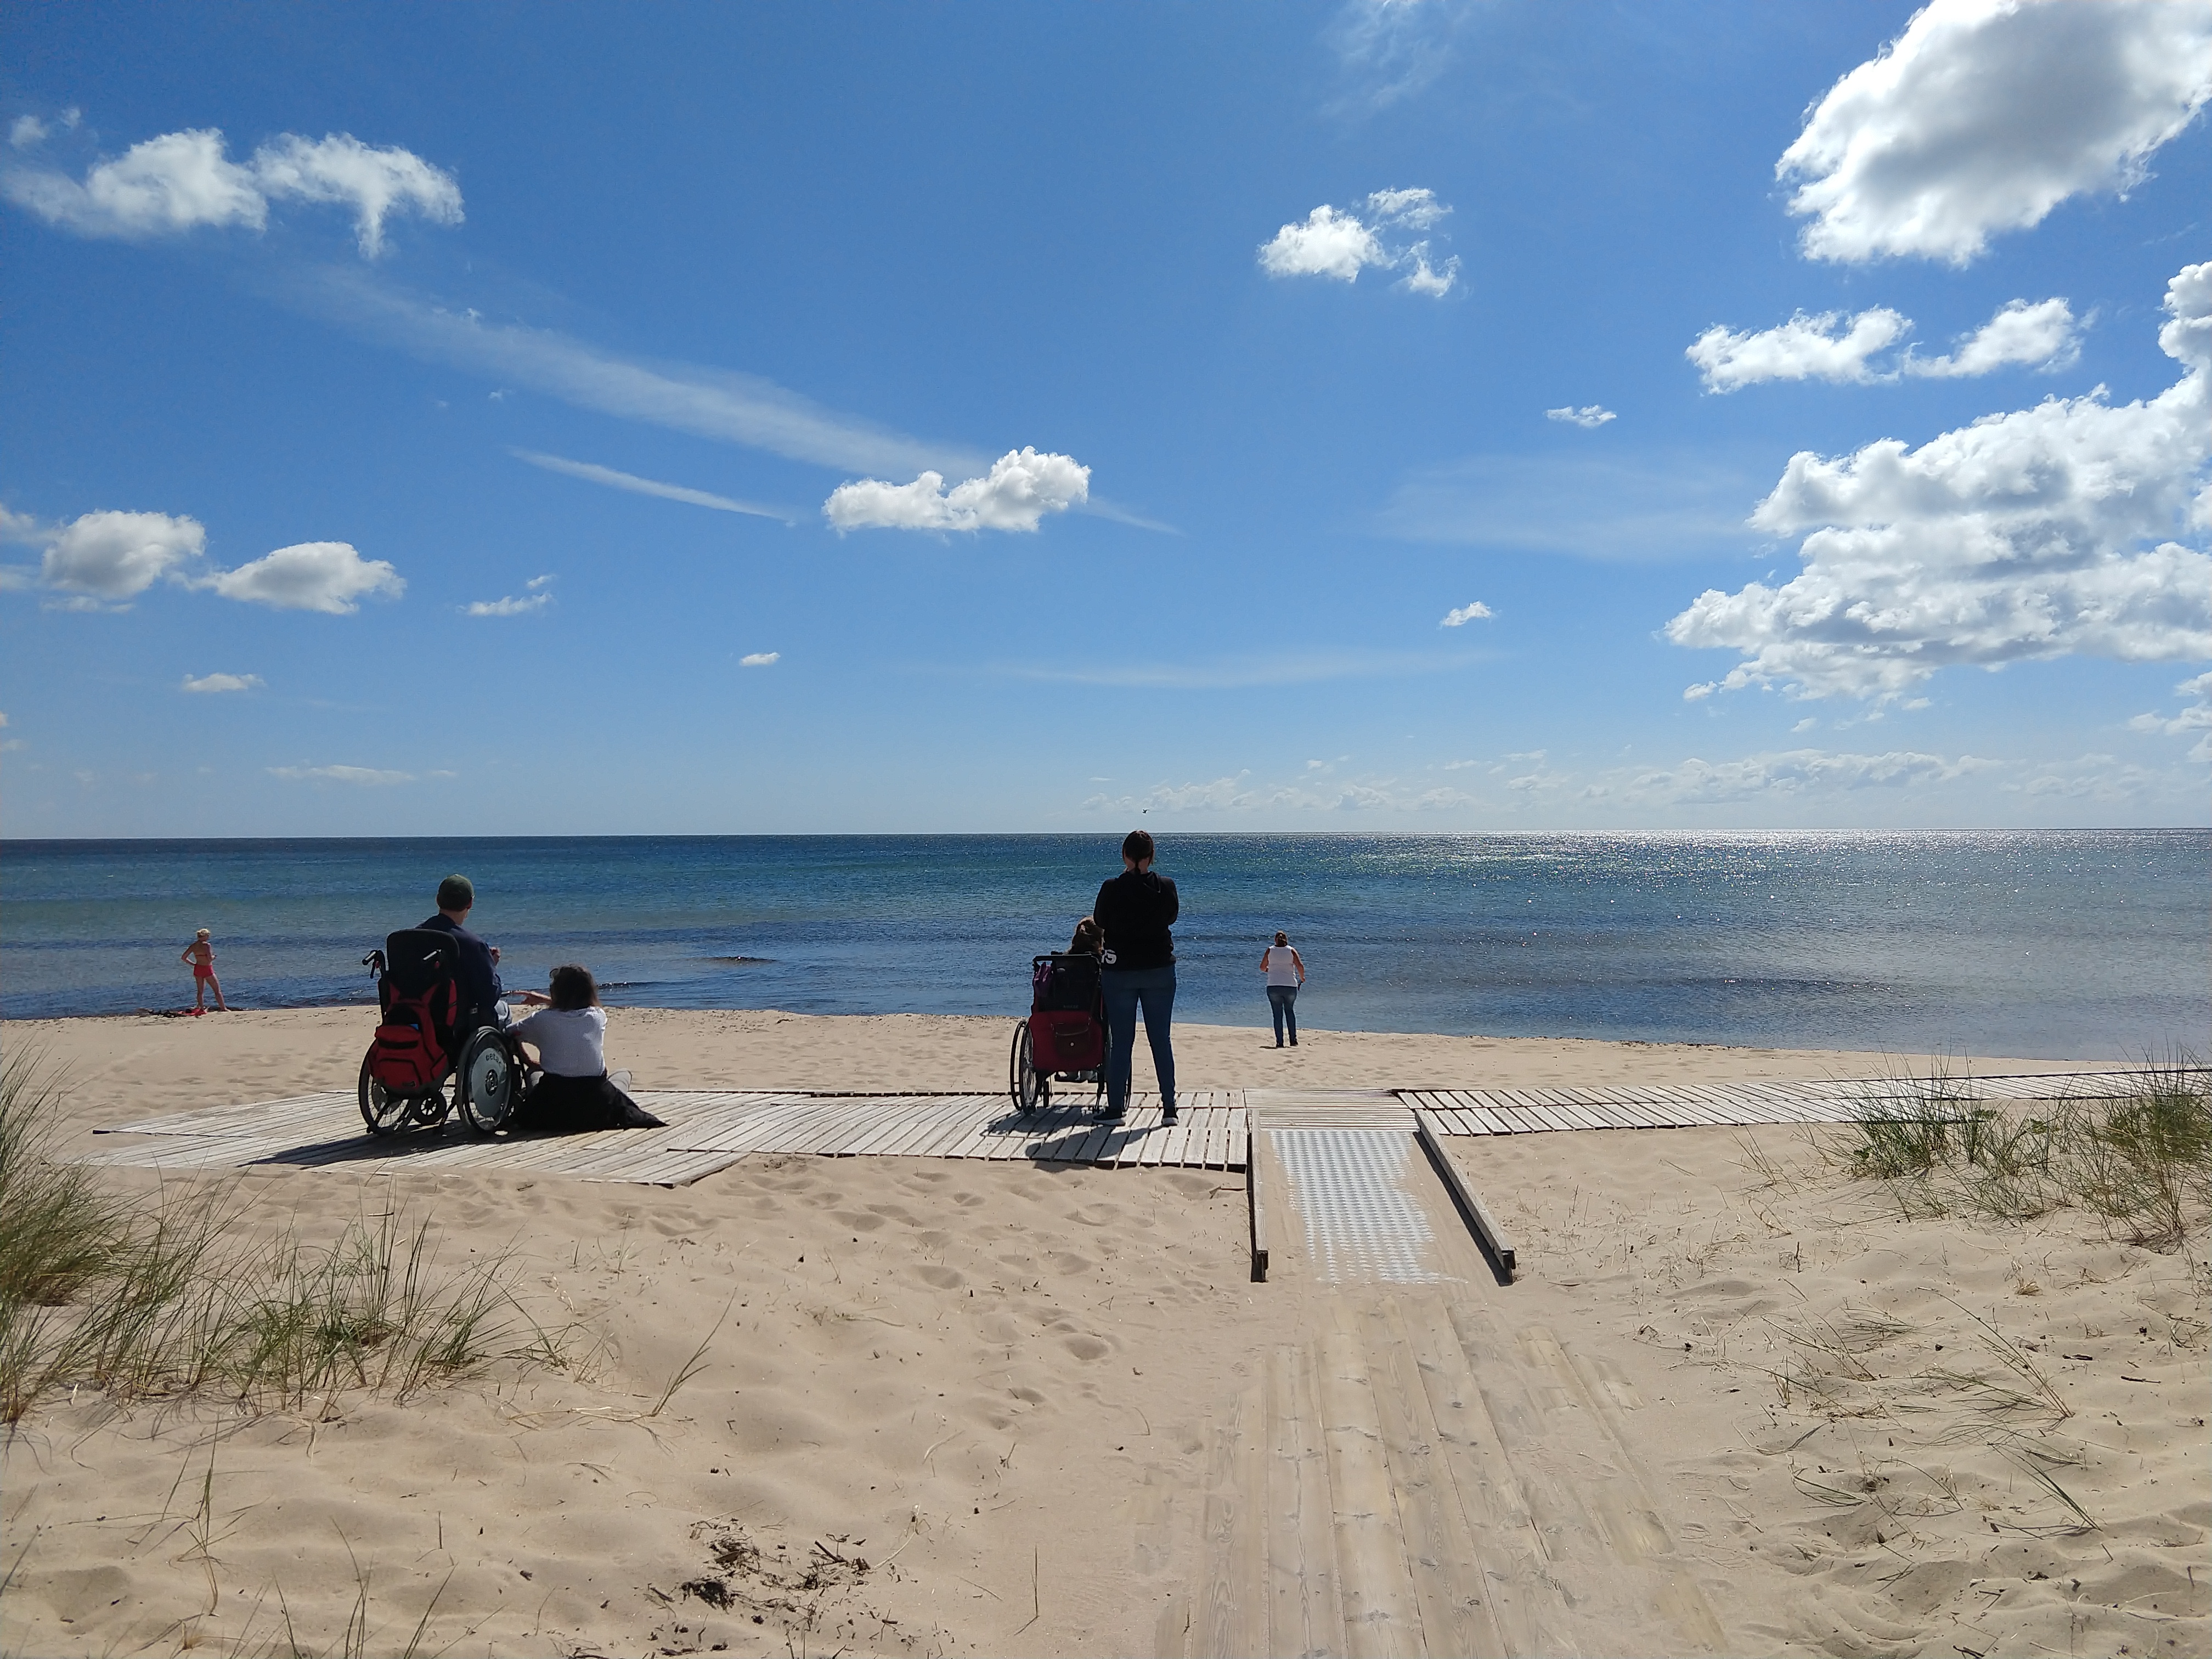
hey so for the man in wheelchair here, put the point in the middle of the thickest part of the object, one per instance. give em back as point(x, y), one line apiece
point(443, 1018)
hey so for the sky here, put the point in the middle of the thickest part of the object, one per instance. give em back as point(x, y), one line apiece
point(1409, 416)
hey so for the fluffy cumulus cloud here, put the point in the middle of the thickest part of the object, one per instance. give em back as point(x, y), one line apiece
point(2196, 717)
point(115, 556)
point(1341, 242)
point(208, 683)
point(2042, 532)
point(182, 180)
point(326, 576)
point(537, 594)
point(1461, 615)
point(1020, 489)
point(1844, 349)
point(1986, 114)
point(1589, 417)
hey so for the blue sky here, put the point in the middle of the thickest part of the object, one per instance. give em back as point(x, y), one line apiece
point(442, 420)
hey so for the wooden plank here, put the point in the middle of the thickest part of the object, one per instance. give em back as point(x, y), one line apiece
point(1435, 1535)
point(1231, 1616)
point(1470, 1207)
point(1304, 1616)
point(1255, 1204)
point(1381, 1618)
point(1524, 1602)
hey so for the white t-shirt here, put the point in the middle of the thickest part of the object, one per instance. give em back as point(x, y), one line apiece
point(1282, 965)
point(572, 1041)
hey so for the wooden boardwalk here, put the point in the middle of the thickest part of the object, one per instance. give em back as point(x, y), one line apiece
point(1422, 1478)
point(706, 1130)
point(710, 1130)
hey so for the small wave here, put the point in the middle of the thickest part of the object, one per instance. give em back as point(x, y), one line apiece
point(742, 962)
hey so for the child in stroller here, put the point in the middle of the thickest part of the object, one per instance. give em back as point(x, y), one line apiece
point(1065, 1035)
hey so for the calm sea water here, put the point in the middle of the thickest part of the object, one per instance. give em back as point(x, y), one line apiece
point(2088, 944)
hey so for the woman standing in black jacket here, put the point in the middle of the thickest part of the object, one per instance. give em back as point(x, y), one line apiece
point(1134, 910)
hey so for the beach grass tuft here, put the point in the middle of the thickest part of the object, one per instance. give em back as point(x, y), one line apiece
point(173, 1301)
point(2141, 1161)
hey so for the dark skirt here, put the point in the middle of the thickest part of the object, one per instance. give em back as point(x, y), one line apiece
point(578, 1105)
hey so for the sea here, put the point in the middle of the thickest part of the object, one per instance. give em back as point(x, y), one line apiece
point(2076, 944)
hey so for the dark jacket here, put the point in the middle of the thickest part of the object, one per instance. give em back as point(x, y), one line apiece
point(480, 987)
point(1135, 912)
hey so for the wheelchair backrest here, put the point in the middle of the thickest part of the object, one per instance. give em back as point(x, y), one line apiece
point(1064, 984)
point(417, 958)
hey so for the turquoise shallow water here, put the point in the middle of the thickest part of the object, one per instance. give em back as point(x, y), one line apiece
point(2078, 944)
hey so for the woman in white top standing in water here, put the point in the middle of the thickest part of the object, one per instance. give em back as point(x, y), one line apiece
point(1285, 972)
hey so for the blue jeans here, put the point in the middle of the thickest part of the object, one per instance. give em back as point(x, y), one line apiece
point(1124, 989)
point(1283, 1003)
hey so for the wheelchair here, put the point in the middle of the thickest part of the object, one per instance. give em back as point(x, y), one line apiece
point(420, 1049)
point(1065, 1035)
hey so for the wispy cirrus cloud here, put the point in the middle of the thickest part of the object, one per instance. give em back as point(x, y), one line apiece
point(367, 776)
point(1237, 674)
point(210, 684)
point(593, 473)
point(708, 402)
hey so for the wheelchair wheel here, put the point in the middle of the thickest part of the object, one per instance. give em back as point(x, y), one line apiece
point(487, 1082)
point(383, 1111)
point(1031, 1089)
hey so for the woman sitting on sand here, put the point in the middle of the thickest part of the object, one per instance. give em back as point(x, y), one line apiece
point(571, 1034)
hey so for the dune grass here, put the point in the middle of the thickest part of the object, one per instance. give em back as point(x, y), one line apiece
point(2141, 1161)
point(173, 1300)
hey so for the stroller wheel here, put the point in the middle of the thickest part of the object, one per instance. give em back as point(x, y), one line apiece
point(1029, 1088)
point(383, 1111)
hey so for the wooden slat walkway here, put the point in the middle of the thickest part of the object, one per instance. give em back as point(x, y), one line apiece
point(1691, 1105)
point(707, 1131)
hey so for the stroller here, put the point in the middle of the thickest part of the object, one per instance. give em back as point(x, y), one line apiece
point(403, 1076)
point(1065, 1035)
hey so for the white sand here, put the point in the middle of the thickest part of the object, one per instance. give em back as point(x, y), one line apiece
point(996, 1383)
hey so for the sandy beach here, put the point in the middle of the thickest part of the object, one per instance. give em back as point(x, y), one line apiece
point(906, 1406)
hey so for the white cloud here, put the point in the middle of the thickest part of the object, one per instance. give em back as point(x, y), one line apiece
point(2017, 537)
point(1339, 243)
point(1589, 416)
point(326, 576)
point(606, 474)
point(27, 132)
point(1329, 244)
point(760, 659)
point(212, 683)
point(374, 183)
point(2044, 336)
point(20, 527)
point(709, 402)
point(1828, 347)
point(1660, 505)
point(2198, 717)
point(1790, 772)
point(361, 775)
point(512, 605)
point(1465, 614)
point(118, 555)
point(1393, 48)
point(1842, 349)
point(182, 180)
point(1986, 114)
point(1310, 792)
point(1021, 488)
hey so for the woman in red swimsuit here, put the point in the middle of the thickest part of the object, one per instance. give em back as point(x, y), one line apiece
point(201, 955)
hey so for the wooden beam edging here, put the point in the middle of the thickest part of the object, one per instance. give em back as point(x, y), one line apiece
point(1254, 1204)
point(1470, 1207)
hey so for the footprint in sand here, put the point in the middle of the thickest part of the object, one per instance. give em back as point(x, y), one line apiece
point(944, 1279)
point(1088, 1347)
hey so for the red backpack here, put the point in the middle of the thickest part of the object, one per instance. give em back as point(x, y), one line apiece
point(420, 995)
